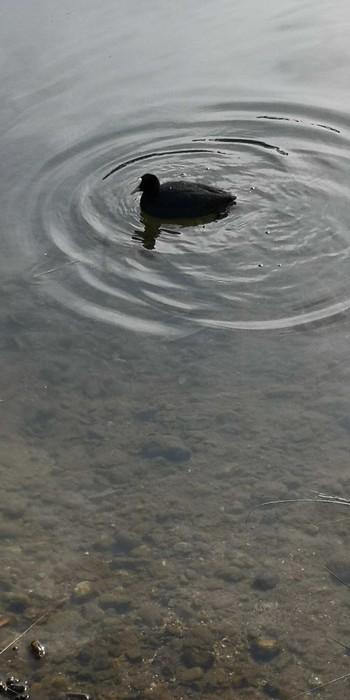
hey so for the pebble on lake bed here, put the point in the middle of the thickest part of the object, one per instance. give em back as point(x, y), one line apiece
point(17, 603)
point(6, 620)
point(264, 648)
point(265, 580)
point(169, 448)
point(119, 601)
point(15, 688)
point(82, 590)
point(190, 675)
point(198, 648)
point(37, 648)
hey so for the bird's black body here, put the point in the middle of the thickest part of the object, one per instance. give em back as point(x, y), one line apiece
point(181, 199)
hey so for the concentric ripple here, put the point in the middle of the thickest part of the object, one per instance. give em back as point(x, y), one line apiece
point(279, 259)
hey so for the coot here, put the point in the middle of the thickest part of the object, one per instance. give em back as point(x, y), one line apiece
point(181, 199)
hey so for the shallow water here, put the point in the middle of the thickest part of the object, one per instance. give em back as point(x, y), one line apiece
point(160, 380)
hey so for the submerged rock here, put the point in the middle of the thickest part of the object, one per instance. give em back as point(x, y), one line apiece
point(170, 448)
point(82, 590)
point(121, 602)
point(37, 648)
point(6, 620)
point(125, 541)
point(18, 603)
point(198, 648)
point(190, 675)
point(264, 648)
point(15, 688)
point(133, 654)
point(265, 580)
point(14, 507)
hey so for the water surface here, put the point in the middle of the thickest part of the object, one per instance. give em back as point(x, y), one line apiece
point(160, 380)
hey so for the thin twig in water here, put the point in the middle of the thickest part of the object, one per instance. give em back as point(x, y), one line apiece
point(335, 520)
point(337, 577)
point(333, 499)
point(39, 619)
point(334, 680)
point(54, 269)
point(319, 687)
point(338, 642)
point(320, 498)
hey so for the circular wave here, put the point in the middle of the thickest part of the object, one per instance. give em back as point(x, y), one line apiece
point(278, 260)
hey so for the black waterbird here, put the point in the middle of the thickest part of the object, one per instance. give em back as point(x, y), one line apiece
point(181, 199)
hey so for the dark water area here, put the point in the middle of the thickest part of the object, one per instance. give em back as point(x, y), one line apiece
point(159, 380)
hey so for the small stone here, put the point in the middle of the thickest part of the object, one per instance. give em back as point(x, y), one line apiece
point(264, 648)
point(17, 688)
point(241, 560)
point(174, 628)
point(198, 648)
point(150, 614)
point(39, 420)
point(265, 580)
point(60, 681)
point(82, 590)
point(190, 675)
point(103, 543)
point(171, 449)
point(37, 648)
point(310, 529)
point(183, 547)
point(93, 388)
point(14, 507)
point(93, 612)
point(133, 655)
point(122, 573)
point(15, 549)
point(240, 680)
point(73, 501)
point(142, 551)
point(18, 603)
point(272, 691)
point(125, 541)
point(8, 531)
point(120, 602)
point(36, 689)
point(228, 574)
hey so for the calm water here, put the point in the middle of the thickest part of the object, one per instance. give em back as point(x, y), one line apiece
point(159, 380)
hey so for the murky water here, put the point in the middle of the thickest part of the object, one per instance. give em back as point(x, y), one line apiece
point(160, 380)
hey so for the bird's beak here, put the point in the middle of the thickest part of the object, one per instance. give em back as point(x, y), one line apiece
point(137, 188)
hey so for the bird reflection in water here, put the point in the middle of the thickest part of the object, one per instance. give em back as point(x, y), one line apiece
point(153, 228)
